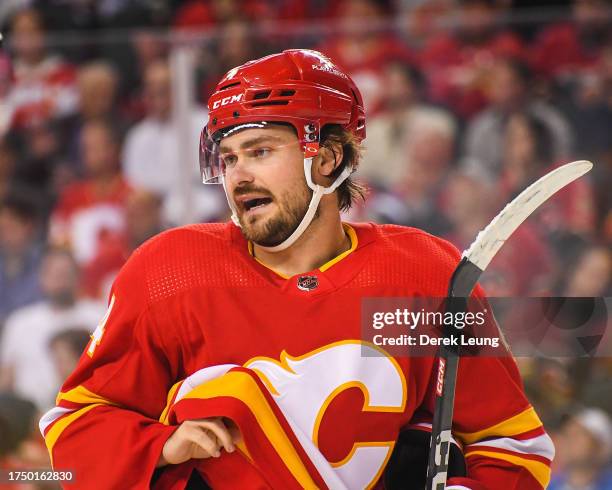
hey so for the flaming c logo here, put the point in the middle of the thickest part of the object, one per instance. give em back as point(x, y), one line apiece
point(364, 366)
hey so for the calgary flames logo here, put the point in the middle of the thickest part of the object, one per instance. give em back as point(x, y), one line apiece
point(364, 366)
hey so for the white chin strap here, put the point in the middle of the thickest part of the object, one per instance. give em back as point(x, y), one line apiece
point(231, 204)
point(318, 192)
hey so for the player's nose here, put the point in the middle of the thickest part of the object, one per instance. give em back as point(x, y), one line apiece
point(239, 174)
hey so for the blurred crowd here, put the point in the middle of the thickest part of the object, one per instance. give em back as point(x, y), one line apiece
point(468, 101)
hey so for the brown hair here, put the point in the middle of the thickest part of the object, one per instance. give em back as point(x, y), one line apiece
point(349, 191)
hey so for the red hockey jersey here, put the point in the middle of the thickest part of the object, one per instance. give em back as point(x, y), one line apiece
point(197, 327)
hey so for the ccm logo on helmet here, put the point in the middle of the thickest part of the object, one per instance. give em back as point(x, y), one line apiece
point(227, 100)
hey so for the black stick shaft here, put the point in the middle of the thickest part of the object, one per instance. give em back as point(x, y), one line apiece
point(462, 283)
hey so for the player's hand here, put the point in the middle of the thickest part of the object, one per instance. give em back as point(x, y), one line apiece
point(197, 439)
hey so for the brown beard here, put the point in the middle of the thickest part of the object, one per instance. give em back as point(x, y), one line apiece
point(278, 228)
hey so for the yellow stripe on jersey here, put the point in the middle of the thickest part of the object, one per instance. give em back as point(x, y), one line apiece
point(354, 242)
point(83, 396)
point(252, 254)
point(523, 422)
point(58, 427)
point(240, 385)
point(539, 470)
point(163, 418)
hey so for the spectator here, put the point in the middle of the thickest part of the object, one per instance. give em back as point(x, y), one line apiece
point(9, 7)
point(193, 14)
point(403, 112)
point(589, 106)
point(527, 156)
point(424, 19)
point(143, 220)
point(41, 163)
point(566, 49)
point(20, 445)
point(417, 195)
point(548, 382)
point(98, 83)
point(527, 151)
point(508, 94)
point(457, 63)
point(145, 48)
point(66, 348)
point(237, 44)
point(43, 85)
point(591, 275)
point(362, 49)
point(152, 146)
point(585, 447)
point(20, 252)
point(26, 364)
point(96, 204)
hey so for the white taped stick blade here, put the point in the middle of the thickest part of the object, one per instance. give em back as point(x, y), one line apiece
point(491, 239)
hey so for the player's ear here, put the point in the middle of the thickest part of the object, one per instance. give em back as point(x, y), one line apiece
point(329, 159)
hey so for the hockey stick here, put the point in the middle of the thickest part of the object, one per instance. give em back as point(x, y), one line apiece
point(473, 263)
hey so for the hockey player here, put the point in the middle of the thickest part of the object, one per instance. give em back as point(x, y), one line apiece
point(232, 353)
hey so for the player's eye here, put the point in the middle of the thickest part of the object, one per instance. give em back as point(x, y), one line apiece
point(229, 159)
point(258, 152)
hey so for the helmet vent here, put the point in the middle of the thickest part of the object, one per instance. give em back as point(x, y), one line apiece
point(230, 85)
point(270, 102)
point(287, 93)
point(262, 95)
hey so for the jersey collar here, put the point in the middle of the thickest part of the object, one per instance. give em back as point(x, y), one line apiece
point(331, 275)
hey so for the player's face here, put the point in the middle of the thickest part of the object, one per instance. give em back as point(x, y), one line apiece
point(264, 175)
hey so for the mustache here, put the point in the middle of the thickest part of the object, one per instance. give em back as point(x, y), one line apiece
point(251, 189)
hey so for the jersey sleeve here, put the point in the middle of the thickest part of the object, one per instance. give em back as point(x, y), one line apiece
point(504, 441)
point(105, 426)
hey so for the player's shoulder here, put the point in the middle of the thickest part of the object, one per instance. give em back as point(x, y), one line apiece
point(403, 255)
point(187, 257)
point(201, 237)
point(185, 246)
point(409, 241)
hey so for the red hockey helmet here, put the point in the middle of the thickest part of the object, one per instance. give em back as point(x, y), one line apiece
point(298, 86)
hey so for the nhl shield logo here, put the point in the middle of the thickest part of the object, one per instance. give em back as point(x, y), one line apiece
point(307, 283)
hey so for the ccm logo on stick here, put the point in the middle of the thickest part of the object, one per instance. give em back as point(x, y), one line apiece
point(227, 100)
point(440, 380)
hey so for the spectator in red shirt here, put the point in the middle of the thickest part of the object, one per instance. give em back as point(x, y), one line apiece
point(44, 85)
point(565, 49)
point(143, 220)
point(363, 50)
point(457, 62)
point(96, 204)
